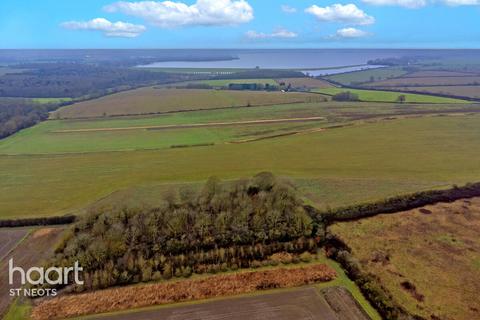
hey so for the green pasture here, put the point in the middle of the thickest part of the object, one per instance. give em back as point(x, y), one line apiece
point(424, 152)
point(50, 136)
point(389, 96)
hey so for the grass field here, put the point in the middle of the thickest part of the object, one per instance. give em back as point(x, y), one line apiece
point(306, 82)
point(388, 96)
point(108, 134)
point(427, 258)
point(152, 100)
point(427, 81)
point(51, 100)
point(461, 91)
point(362, 76)
point(430, 151)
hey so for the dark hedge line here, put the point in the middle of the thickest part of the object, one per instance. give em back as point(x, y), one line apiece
point(45, 221)
point(402, 203)
point(368, 283)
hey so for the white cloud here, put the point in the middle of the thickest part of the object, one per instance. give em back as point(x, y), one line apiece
point(348, 13)
point(415, 4)
point(350, 33)
point(110, 29)
point(277, 34)
point(287, 9)
point(456, 3)
point(169, 14)
point(411, 4)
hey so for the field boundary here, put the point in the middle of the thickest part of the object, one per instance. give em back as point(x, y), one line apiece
point(402, 203)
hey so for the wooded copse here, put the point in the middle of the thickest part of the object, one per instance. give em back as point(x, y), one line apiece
point(248, 223)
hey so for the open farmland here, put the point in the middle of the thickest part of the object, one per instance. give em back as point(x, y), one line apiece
point(428, 258)
point(426, 152)
point(305, 304)
point(459, 91)
point(309, 83)
point(161, 100)
point(427, 81)
point(226, 82)
point(389, 96)
point(9, 238)
point(199, 127)
point(37, 246)
point(356, 77)
point(439, 73)
point(161, 293)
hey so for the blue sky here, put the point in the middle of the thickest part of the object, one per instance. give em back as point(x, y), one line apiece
point(240, 24)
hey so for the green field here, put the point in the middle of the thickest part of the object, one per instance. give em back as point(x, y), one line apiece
point(418, 152)
point(362, 76)
point(389, 96)
point(75, 136)
point(51, 100)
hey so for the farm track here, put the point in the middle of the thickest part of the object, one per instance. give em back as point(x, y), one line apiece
point(196, 125)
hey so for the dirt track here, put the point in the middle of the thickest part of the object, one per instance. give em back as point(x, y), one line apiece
point(196, 125)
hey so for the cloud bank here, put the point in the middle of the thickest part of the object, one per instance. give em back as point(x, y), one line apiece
point(109, 29)
point(169, 14)
point(277, 34)
point(350, 33)
point(349, 14)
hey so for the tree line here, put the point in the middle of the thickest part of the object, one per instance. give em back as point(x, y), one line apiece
point(59, 80)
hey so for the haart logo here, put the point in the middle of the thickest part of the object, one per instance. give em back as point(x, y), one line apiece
point(39, 276)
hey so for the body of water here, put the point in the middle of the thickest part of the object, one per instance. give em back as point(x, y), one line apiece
point(301, 59)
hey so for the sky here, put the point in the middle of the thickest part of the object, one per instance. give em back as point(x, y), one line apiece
point(41, 24)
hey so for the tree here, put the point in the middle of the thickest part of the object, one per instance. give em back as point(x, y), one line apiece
point(346, 96)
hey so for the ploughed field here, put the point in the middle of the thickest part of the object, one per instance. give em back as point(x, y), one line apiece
point(427, 258)
point(9, 239)
point(28, 253)
point(300, 304)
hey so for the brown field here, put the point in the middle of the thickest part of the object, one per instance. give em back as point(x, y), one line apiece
point(9, 239)
point(309, 83)
point(424, 74)
point(179, 291)
point(461, 91)
point(426, 81)
point(428, 258)
point(161, 100)
point(37, 246)
point(299, 304)
point(344, 304)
